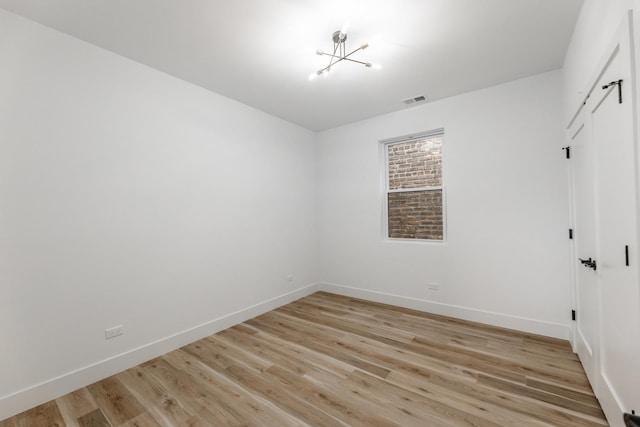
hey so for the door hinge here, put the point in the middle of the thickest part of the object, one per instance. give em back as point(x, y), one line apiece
point(614, 83)
point(567, 151)
point(571, 233)
point(573, 315)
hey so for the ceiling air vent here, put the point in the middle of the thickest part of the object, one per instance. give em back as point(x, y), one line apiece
point(410, 101)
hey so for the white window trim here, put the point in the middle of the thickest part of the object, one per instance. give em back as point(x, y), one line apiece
point(385, 190)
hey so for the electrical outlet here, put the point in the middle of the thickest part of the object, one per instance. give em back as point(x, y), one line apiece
point(433, 286)
point(113, 332)
point(290, 278)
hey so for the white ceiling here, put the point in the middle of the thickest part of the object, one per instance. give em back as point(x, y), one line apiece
point(261, 52)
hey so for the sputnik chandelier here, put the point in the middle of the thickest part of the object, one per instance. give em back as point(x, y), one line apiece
point(340, 53)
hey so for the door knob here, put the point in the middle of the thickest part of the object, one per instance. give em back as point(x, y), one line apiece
point(590, 263)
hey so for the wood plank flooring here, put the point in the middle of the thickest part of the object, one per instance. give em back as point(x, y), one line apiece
point(328, 360)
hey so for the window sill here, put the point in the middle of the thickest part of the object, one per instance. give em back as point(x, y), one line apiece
point(416, 241)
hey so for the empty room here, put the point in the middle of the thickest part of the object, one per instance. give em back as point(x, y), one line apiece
point(319, 213)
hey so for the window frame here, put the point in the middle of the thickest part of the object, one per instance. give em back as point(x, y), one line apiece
point(384, 157)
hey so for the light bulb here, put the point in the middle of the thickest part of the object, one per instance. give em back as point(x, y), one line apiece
point(319, 52)
point(343, 31)
point(364, 46)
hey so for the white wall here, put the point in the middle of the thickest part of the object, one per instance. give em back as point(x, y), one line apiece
point(506, 259)
point(131, 197)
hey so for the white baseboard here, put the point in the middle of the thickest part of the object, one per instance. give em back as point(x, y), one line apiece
point(533, 326)
point(22, 400)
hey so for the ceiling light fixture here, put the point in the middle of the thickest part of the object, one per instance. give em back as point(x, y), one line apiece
point(340, 53)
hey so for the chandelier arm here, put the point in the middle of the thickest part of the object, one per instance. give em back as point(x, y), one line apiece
point(343, 57)
point(351, 53)
point(354, 60)
point(322, 70)
point(336, 46)
point(328, 54)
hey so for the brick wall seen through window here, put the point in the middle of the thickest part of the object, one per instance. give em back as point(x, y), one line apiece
point(414, 189)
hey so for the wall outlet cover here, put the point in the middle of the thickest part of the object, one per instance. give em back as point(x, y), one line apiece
point(113, 332)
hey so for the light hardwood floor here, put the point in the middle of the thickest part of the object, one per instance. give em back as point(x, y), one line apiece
point(328, 360)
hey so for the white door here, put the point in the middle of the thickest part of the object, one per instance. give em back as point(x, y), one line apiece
point(611, 110)
point(615, 350)
point(584, 228)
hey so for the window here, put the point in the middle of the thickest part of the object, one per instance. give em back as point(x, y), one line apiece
point(414, 190)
